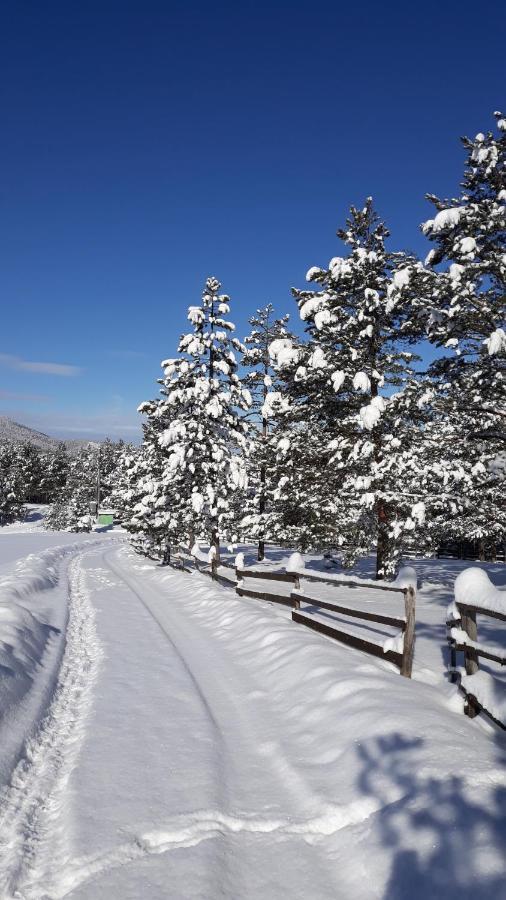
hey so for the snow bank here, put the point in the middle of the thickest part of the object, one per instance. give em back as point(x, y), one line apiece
point(489, 693)
point(352, 731)
point(201, 555)
point(406, 577)
point(295, 563)
point(474, 588)
point(23, 631)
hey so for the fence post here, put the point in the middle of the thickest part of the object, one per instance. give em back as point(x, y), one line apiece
point(409, 633)
point(296, 584)
point(470, 656)
point(453, 663)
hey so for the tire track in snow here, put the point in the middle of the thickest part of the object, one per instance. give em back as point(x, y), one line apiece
point(32, 824)
point(186, 831)
point(132, 586)
point(209, 685)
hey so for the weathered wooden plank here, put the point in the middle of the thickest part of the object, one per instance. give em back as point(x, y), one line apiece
point(309, 576)
point(348, 611)
point(470, 654)
point(346, 638)
point(469, 608)
point(261, 595)
point(268, 576)
point(409, 633)
point(486, 654)
point(471, 661)
point(226, 582)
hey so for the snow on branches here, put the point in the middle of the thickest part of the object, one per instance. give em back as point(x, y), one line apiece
point(195, 437)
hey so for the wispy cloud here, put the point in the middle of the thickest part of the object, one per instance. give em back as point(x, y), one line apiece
point(42, 368)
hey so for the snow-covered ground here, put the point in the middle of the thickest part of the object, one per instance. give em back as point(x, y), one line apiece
point(181, 742)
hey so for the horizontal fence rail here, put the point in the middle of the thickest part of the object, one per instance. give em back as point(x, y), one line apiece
point(296, 595)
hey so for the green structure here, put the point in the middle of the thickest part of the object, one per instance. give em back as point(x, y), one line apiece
point(105, 517)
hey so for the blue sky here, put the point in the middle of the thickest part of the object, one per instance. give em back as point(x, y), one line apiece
point(148, 144)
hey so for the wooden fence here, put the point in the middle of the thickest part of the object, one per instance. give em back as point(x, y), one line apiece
point(472, 650)
point(287, 590)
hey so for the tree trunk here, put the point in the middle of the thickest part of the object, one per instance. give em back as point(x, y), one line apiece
point(471, 658)
point(215, 560)
point(382, 541)
point(263, 473)
point(166, 555)
point(261, 509)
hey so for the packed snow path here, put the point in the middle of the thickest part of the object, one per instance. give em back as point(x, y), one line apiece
point(201, 746)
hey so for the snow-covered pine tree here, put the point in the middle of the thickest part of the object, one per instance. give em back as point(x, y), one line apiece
point(11, 485)
point(467, 321)
point(29, 468)
point(110, 454)
point(55, 471)
point(260, 379)
point(350, 456)
point(70, 510)
point(199, 437)
point(123, 481)
point(302, 508)
point(146, 501)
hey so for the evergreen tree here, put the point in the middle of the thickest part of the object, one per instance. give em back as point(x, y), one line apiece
point(198, 439)
point(350, 436)
point(109, 456)
point(123, 481)
point(467, 320)
point(55, 471)
point(70, 510)
point(11, 486)
point(261, 381)
point(32, 463)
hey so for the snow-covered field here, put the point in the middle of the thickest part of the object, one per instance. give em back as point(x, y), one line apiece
point(163, 738)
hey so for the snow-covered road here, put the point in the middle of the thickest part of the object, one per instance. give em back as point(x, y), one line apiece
point(203, 746)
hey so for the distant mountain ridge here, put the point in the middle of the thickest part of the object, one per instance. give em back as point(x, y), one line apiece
point(12, 432)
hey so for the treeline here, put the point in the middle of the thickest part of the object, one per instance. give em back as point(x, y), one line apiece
point(66, 481)
point(29, 475)
point(344, 438)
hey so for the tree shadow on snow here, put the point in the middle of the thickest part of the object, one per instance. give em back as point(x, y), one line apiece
point(447, 839)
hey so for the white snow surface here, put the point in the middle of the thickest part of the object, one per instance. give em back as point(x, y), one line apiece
point(406, 577)
point(473, 587)
point(295, 563)
point(193, 744)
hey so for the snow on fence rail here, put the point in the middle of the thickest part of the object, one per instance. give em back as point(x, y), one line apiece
point(475, 593)
point(285, 588)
